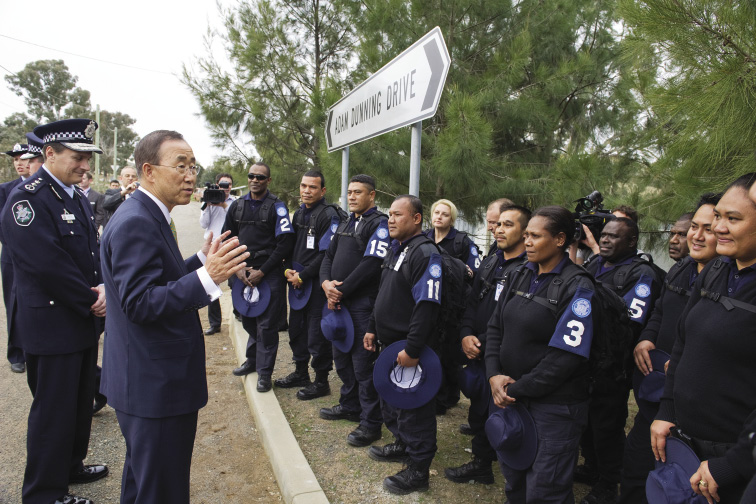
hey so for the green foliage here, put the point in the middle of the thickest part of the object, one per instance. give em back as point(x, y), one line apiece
point(13, 131)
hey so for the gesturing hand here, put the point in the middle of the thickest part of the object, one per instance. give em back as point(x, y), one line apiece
point(225, 259)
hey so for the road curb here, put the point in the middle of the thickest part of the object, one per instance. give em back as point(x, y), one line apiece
point(293, 473)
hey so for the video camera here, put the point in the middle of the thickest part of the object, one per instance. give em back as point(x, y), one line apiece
point(214, 193)
point(591, 212)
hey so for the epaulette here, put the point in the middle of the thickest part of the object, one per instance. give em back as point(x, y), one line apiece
point(33, 185)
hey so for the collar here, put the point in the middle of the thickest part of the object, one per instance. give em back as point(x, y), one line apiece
point(602, 268)
point(85, 191)
point(557, 269)
point(248, 197)
point(353, 217)
point(161, 206)
point(67, 188)
point(398, 247)
point(306, 210)
point(431, 233)
point(503, 261)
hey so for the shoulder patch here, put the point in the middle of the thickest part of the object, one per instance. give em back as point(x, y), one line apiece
point(33, 185)
point(23, 213)
point(642, 290)
point(382, 233)
point(281, 211)
point(581, 307)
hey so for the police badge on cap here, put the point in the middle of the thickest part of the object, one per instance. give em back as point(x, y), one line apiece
point(74, 134)
point(18, 149)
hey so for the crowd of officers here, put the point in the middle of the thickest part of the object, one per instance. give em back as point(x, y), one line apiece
point(521, 327)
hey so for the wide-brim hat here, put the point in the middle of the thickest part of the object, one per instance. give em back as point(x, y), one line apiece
point(250, 301)
point(298, 298)
point(338, 328)
point(407, 387)
point(35, 146)
point(472, 379)
point(669, 483)
point(18, 149)
point(649, 388)
point(512, 433)
point(74, 134)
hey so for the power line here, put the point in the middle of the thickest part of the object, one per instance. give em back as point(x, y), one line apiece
point(87, 57)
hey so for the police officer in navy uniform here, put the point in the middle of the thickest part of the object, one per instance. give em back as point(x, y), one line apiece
point(262, 223)
point(492, 219)
point(659, 334)
point(312, 223)
point(60, 303)
point(487, 289)
point(538, 344)
point(350, 274)
point(632, 276)
point(408, 304)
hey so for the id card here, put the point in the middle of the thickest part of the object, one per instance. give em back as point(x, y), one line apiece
point(399, 261)
point(310, 242)
point(499, 288)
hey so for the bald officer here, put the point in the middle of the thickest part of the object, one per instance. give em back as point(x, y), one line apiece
point(60, 302)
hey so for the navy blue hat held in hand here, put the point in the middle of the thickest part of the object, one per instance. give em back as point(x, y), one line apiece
point(406, 387)
point(669, 483)
point(338, 328)
point(512, 433)
point(250, 301)
point(299, 297)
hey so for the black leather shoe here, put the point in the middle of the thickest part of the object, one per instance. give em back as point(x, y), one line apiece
point(477, 470)
point(73, 499)
point(89, 474)
point(585, 474)
point(264, 384)
point(361, 436)
point(406, 481)
point(237, 317)
point(314, 390)
point(392, 452)
point(466, 430)
point(339, 413)
point(245, 369)
point(18, 367)
point(99, 402)
point(601, 493)
point(295, 379)
point(211, 330)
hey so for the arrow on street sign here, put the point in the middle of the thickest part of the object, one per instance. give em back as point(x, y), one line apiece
point(403, 92)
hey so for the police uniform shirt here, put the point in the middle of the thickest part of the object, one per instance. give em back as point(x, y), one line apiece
point(468, 252)
point(409, 296)
point(546, 351)
point(312, 238)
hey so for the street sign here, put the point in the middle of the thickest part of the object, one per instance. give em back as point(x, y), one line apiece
point(405, 91)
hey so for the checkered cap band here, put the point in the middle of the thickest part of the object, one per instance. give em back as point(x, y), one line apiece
point(66, 136)
point(35, 149)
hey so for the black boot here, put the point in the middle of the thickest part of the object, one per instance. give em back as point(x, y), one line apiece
point(477, 470)
point(602, 493)
point(299, 378)
point(410, 479)
point(392, 452)
point(585, 474)
point(318, 388)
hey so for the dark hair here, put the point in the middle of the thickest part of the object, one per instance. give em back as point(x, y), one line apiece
point(316, 173)
point(559, 220)
point(415, 204)
point(114, 181)
point(744, 182)
point(260, 163)
point(364, 179)
point(148, 148)
point(685, 217)
point(631, 212)
point(89, 175)
point(57, 149)
point(525, 213)
point(224, 175)
point(708, 198)
point(630, 223)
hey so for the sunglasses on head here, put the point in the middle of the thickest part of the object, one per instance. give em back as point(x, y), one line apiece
point(252, 176)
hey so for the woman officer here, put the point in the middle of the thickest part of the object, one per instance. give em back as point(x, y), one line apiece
point(457, 243)
point(537, 349)
point(710, 390)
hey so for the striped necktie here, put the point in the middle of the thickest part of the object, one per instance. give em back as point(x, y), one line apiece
point(173, 230)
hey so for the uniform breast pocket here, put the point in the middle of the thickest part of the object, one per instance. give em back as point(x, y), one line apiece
point(170, 348)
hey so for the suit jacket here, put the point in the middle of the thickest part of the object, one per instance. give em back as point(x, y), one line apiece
point(56, 261)
point(96, 199)
point(154, 351)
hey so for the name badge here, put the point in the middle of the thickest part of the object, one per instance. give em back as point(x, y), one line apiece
point(399, 261)
point(499, 288)
point(310, 242)
point(68, 217)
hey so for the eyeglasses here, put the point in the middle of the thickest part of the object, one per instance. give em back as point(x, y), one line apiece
point(252, 176)
point(182, 169)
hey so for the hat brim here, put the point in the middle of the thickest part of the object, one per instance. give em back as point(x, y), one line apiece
point(680, 454)
point(338, 318)
point(82, 147)
point(522, 457)
point(16, 153)
point(473, 381)
point(416, 396)
point(30, 155)
point(298, 298)
point(246, 308)
point(650, 387)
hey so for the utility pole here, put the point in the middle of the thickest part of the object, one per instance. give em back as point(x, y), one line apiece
point(97, 143)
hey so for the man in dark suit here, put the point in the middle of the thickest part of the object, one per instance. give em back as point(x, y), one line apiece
point(153, 371)
point(95, 198)
point(58, 310)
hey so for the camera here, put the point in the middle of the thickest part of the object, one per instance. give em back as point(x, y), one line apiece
point(215, 193)
point(591, 212)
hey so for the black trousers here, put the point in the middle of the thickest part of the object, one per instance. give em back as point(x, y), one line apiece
point(214, 315)
point(603, 442)
point(476, 418)
point(305, 335)
point(416, 428)
point(60, 421)
point(638, 459)
point(13, 352)
point(158, 458)
point(262, 345)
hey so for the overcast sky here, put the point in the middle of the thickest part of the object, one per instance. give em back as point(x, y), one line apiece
point(157, 36)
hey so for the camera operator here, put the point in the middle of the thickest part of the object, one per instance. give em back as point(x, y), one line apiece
point(211, 219)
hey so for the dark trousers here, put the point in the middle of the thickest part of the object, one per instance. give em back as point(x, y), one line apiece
point(158, 458)
point(14, 352)
point(476, 418)
point(603, 442)
point(262, 345)
point(448, 392)
point(355, 368)
point(416, 428)
point(60, 420)
point(305, 336)
point(549, 479)
point(638, 460)
point(214, 316)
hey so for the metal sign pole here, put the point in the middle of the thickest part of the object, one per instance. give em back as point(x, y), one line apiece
point(414, 182)
point(344, 178)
